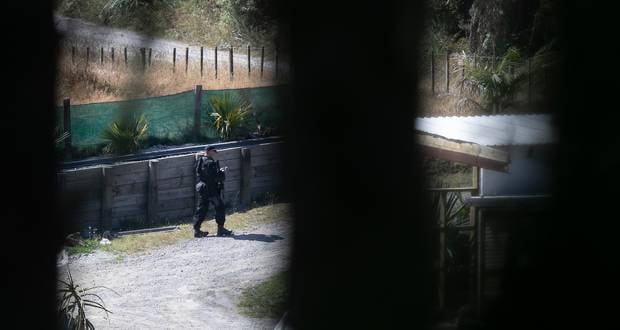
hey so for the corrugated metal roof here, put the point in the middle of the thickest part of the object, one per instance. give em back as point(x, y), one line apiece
point(494, 130)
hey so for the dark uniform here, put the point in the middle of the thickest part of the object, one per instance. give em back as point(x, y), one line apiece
point(210, 184)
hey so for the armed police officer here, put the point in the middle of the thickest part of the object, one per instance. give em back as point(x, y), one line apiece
point(210, 185)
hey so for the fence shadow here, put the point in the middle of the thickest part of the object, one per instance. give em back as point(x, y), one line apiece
point(257, 237)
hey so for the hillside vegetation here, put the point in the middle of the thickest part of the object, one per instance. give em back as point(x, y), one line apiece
point(207, 22)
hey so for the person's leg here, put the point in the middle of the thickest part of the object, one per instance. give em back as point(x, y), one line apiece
point(220, 216)
point(202, 207)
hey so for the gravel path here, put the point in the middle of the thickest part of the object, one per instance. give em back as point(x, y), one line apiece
point(191, 284)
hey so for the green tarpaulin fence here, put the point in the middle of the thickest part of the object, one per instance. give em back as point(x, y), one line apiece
point(169, 117)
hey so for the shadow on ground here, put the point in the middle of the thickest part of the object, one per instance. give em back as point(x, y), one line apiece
point(257, 237)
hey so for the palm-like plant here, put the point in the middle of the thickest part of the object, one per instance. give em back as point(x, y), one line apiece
point(126, 134)
point(494, 83)
point(229, 114)
point(72, 303)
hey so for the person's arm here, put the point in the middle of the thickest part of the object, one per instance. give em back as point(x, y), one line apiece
point(198, 167)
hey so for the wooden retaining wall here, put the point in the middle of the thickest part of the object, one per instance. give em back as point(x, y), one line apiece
point(155, 192)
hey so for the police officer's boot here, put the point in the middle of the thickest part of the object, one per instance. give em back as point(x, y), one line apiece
point(221, 231)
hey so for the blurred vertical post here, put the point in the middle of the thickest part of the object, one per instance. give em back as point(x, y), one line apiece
point(143, 57)
point(101, 55)
point(73, 54)
point(66, 103)
point(125, 53)
point(433, 72)
point(262, 61)
point(87, 55)
point(201, 59)
point(150, 53)
point(216, 62)
point(276, 68)
point(249, 65)
point(174, 59)
point(447, 72)
point(186, 58)
point(112, 55)
point(529, 81)
point(197, 104)
point(230, 61)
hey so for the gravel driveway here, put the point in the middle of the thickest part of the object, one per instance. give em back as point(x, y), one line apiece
point(191, 284)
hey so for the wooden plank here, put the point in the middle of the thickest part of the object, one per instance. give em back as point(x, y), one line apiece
point(531, 201)
point(246, 177)
point(176, 193)
point(177, 182)
point(258, 149)
point(197, 105)
point(82, 174)
point(175, 204)
point(176, 214)
point(442, 250)
point(137, 210)
point(126, 179)
point(89, 206)
point(152, 193)
point(106, 196)
point(464, 152)
point(129, 201)
point(130, 189)
point(174, 172)
point(136, 167)
point(176, 161)
point(274, 169)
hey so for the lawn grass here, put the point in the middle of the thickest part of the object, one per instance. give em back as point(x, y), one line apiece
point(235, 221)
point(267, 299)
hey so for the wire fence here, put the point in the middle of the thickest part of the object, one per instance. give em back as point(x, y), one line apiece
point(218, 61)
point(454, 73)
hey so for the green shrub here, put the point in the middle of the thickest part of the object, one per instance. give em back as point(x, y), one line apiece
point(126, 134)
point(229, 116)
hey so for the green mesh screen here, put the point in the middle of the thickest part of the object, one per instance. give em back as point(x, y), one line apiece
point(169, 117)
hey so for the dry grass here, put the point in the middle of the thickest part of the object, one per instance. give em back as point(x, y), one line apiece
point(236, 221)
point(94, 81)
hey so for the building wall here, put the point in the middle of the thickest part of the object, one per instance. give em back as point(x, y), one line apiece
point(528, 174)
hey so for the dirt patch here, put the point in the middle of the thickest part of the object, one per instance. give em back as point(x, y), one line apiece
point(191, 284)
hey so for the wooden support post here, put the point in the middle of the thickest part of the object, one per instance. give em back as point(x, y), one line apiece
point(201, 59)
point(197, 104)
point(106, 197)
point(66, 103)
point(152, 200)
point(87, 55)
point(174, 59)
point(529, 81)
point(442, 249)
point(125, 53)
point(276, 60)
point(447, 72)
point(143, 57)
point(246, 178)
point(262, 61)
point(73, 54)
point(433, 72)
point(150, 55)
point(249, 62)
point(479, 259)
point(112, 55)
point(101, 55)
point(215, 62)
point(186, 58)
point(230, 61)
